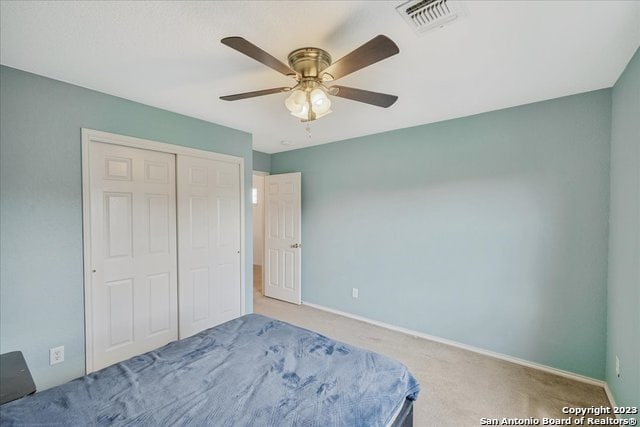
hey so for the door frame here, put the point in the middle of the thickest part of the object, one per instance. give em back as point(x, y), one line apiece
point(91, 135)
point(262, 174)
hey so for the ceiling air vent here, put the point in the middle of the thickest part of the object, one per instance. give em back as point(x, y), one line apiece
point(425, 15)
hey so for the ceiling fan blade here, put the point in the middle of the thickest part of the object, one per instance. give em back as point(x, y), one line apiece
point(366, 96)
point(253, 51)
point(254, 93)
point(376, 49)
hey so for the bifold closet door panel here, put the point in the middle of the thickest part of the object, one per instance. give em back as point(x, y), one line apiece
point(133, 252)
point(208, 243)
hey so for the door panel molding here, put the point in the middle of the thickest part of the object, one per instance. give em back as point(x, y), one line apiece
point(119, 170)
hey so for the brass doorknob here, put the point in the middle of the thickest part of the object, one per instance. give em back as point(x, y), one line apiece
point(296, 245)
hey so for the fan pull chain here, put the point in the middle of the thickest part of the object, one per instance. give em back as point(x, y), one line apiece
point(308, 129)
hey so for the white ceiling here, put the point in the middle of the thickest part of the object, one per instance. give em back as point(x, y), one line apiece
point(169, 55)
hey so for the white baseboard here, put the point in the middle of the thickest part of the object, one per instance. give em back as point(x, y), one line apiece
point(489, 353)
point(612, 401)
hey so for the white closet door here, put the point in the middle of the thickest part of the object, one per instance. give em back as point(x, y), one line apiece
point(209, 243)
point(133, 251)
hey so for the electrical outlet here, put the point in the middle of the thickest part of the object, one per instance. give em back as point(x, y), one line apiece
point(354, 292)
point(56, 355)
point(617, 367)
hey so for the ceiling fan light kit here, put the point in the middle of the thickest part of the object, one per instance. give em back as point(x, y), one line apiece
point(308, 104)
point(312, 68)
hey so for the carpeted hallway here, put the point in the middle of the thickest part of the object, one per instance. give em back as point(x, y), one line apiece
point(459, 387)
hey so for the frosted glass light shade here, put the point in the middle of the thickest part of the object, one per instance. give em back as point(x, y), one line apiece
point(303, 113)
point(296, 102)
point(320, 102)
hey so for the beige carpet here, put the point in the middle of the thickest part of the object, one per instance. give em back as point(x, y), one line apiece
point(459, 387)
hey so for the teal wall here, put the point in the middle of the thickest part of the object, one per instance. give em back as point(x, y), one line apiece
point(623, 326)
point(261, 161)
point(41, 272)
point(489, 230)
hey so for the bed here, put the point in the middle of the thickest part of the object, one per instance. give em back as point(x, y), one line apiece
point(250, 371)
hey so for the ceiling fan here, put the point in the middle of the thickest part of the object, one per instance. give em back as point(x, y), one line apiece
point(312, 68)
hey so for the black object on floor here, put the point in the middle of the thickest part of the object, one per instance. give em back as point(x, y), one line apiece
point(15, 378)
point(405, 416)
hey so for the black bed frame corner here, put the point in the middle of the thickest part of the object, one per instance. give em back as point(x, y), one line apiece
point(405, 416)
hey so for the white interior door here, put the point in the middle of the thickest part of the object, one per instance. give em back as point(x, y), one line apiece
point(282, 258)
point(209, 243)
point(133, 252)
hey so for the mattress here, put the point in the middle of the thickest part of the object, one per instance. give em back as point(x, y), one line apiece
point(250, 371)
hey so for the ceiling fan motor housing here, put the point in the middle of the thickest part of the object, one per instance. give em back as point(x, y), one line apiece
point(308, 62)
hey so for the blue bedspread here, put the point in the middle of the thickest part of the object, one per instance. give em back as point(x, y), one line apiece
point(251, 371)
